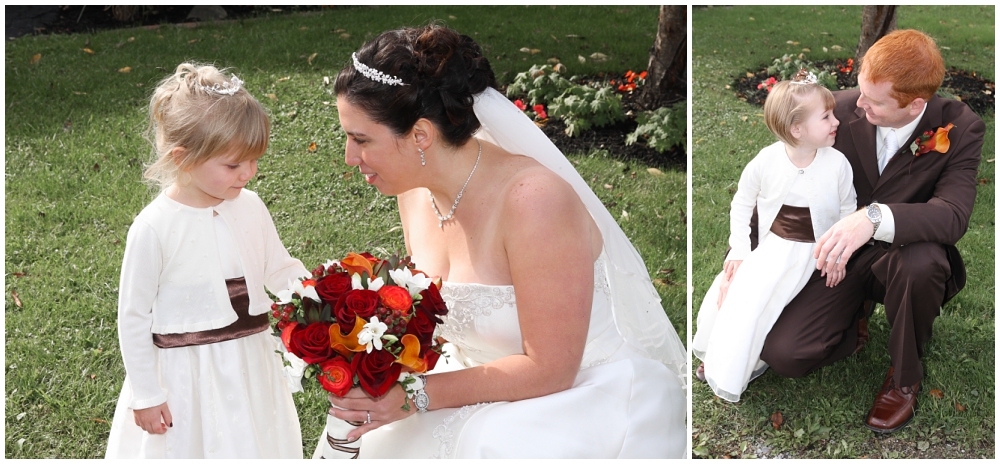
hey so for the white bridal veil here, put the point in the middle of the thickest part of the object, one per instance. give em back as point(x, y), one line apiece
point(635, 304)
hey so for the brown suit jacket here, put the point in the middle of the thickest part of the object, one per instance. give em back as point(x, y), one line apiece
point(931, 195)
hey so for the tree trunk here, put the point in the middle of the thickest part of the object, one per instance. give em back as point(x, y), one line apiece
point(876, 21)
point(666, 79)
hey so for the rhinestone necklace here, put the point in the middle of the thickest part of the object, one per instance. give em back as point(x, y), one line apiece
point(458, 198)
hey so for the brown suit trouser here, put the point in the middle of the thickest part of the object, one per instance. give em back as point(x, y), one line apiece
point(819, 326)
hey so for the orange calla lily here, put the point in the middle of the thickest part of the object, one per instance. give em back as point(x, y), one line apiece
point(356, 264)
point(286, 334)
point(941, 142)
point(410, 356)
point(346, 344)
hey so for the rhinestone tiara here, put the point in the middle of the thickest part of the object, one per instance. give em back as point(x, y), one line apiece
point(809, 79)
point(375, 74)
point(226, 88)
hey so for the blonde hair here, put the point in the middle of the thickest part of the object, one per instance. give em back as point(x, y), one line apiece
point(787, 106)
point(185, 113)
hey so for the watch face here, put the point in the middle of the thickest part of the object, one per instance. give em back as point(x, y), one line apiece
point(421, 400)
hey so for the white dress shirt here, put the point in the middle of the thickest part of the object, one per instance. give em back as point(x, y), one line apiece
point(904, 135)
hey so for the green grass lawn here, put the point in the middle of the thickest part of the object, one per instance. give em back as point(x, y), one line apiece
point(824, 411)
point(74, 158)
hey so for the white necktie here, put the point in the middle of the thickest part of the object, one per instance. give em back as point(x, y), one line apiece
point(889, 148)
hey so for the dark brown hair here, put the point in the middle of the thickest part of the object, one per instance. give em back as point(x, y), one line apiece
point(442, 70)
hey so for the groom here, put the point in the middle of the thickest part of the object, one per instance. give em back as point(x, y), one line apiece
point(901, 242)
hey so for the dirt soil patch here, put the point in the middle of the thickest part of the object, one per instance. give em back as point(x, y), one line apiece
point(966, 86)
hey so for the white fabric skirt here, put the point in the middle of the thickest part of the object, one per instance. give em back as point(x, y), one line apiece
point(627, 407)
point(228, 400)
point(730, 338)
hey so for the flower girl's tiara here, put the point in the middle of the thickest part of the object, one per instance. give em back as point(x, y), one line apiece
point(375, 74)
point(226, 88)
point(805, 78)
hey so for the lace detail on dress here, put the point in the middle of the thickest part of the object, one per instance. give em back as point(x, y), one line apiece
point(446, 435)
point(601, 276)
point(469, 301)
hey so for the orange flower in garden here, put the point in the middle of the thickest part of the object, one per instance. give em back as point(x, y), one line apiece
point(642, 75)
point(356, 264)
point(520, 105)
point(540, 111)
point(933, 141)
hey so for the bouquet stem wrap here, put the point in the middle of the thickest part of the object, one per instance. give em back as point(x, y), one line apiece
point(335, 445)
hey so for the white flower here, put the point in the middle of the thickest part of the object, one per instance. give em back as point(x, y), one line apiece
point(293, 372)
point(296, 287)
point(414, 283)
point(373, 285)
point(371, 334)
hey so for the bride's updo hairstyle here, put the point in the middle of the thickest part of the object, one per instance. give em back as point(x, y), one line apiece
point(787, 104)
point(440, 69)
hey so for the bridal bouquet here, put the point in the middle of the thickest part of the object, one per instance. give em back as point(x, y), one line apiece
point(361, 321)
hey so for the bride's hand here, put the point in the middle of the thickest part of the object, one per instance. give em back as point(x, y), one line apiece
point(358, 407)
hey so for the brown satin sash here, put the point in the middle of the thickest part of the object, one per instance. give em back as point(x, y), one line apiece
point(245, 323)
point(794, 223)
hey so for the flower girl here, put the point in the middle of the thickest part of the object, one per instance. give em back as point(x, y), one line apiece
point(202, 376)
point(800, 186)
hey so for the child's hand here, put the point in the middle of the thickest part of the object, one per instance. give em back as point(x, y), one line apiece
point(835, 276)
point(723, 290)
point(730, 268)
point(149, 419)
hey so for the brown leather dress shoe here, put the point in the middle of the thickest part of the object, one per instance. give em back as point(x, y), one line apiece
point(894, 406)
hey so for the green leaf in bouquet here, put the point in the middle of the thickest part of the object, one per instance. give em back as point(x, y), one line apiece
point(326, 314)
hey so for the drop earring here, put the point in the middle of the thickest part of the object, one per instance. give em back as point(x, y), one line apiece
point(423, 160)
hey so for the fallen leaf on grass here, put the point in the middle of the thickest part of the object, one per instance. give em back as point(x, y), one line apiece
point(792, 42)
point(984, 181)
point(87, 51)
point(654, 171)
point(192, 41)
point(312, 147)
point(937, 393)
point(17, 300)
point(304, 28)
point(310, 59)
point(345, 36)
point(283, 79)
point(36, 57)
point(348, 174)
point(99, 421)
point(20, 274)
point(664, 282)
point(79, 93)
point(609, 186)
point(665, 271)
point(776, 420)
point(959, 407)
point(97, 167)
point(581, 59)
point(598, 57)
point(272, 96)
point(93, 376)
point(126, 69)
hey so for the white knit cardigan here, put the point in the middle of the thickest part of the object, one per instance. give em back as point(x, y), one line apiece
point(765, 183)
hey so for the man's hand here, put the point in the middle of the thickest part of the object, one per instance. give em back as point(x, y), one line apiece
point(837, 245)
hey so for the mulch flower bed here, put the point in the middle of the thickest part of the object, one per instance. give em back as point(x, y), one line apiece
point(970, 87)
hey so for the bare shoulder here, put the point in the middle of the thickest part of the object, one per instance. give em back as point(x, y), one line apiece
point(536, 193)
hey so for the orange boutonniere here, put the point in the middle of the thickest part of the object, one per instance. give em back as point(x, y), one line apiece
point(932, 141)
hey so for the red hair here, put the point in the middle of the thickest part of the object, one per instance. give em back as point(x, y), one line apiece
point(910, 60)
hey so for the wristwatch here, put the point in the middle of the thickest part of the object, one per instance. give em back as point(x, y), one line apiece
point(874, 215)
point(420, 398)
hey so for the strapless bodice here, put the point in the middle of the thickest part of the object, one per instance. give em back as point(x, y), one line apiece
point(482, 321)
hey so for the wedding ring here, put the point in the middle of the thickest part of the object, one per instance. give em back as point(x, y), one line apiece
point(369, 413)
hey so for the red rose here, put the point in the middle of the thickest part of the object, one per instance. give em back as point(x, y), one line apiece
point(337, 376)
point(431, 358)
point(311, 343)
point(360, 303)
point(396, 298)
point(422, 326)
point(433, 303)
point(377, 371)
point(332, 286)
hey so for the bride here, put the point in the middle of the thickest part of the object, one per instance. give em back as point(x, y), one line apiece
point(558, 344)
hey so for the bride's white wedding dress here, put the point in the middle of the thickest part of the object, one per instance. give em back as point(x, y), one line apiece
point(622, 405)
